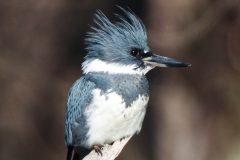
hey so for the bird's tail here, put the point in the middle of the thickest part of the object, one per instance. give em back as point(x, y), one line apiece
point(70, 153)
point(76, 153)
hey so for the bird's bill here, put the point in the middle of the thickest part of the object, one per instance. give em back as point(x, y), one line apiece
point(161, 61)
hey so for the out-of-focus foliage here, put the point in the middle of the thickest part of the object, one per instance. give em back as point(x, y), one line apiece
point(193, 113)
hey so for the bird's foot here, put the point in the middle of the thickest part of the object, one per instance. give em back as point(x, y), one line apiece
point(98, 149)
point(122, 139)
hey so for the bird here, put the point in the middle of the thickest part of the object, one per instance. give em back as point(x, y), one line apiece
point(109, 101)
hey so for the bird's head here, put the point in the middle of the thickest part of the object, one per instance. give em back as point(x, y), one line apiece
point(122, 47)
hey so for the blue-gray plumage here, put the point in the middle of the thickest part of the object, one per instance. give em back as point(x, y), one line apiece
point(111, 42)
point(75, 108)
point(109, 101)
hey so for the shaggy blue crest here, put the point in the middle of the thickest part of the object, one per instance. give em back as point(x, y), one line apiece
point(112, 42)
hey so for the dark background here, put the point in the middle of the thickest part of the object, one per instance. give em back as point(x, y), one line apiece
point(193, 114)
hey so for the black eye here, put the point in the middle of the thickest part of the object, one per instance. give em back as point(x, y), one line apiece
point(135, 52)
point(138, 53)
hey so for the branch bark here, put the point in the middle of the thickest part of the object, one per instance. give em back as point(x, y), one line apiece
point(109, 152)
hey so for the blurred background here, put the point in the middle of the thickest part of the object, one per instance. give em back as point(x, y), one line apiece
point(193, 114)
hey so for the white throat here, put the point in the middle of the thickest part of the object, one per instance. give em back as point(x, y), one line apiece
point(98, 65)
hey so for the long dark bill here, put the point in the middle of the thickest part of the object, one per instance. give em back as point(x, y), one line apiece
point(161, 61)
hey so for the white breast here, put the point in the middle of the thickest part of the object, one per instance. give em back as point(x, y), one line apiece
point(109, 119)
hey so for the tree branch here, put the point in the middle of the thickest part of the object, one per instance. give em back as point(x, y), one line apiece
point(109, 152)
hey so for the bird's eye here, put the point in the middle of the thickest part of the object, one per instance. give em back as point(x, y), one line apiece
point(135, 52)
point(138, 53)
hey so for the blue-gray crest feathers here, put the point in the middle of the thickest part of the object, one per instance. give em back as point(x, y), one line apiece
point(112, 41)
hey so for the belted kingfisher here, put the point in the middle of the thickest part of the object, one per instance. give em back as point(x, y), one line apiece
point(109, 101)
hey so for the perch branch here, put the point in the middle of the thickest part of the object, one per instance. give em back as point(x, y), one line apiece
point(109, 152)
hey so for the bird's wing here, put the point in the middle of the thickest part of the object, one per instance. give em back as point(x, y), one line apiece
point(75, 123)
